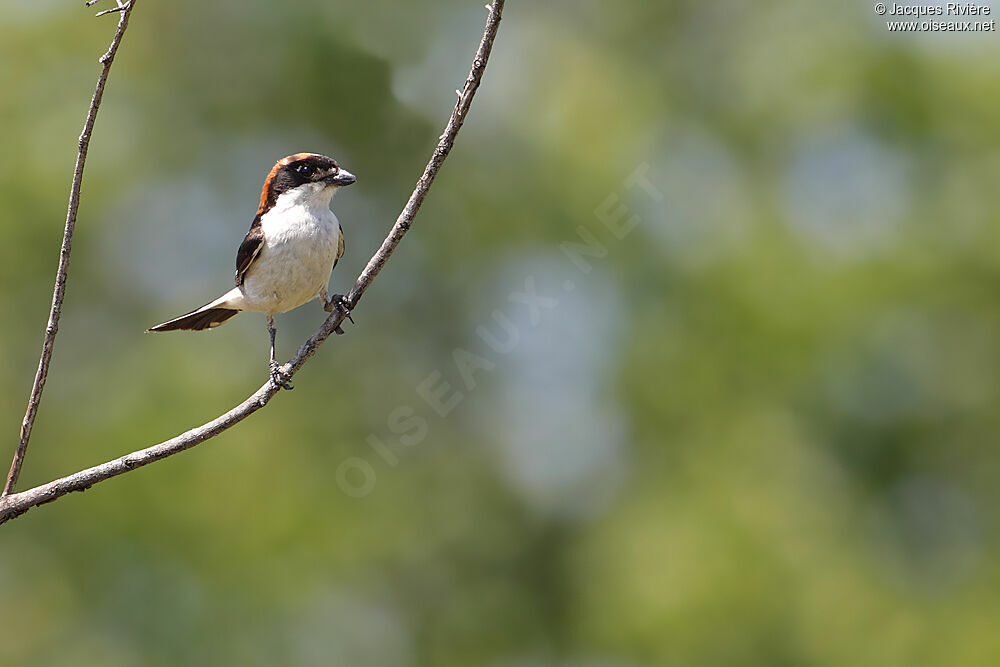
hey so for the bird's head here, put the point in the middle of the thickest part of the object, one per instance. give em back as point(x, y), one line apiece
point(304, 177)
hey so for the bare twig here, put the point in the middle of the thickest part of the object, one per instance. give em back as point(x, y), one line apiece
point(16, 504)
point(120, 8)
point(59, 291)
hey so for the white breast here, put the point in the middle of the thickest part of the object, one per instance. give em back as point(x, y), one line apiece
point(301, 235)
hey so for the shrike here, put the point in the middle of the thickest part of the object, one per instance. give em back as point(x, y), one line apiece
point(287, 256)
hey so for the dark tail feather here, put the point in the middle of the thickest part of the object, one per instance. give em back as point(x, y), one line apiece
point(197, 320)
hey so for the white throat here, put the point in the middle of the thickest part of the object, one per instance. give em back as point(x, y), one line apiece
point(313, 197)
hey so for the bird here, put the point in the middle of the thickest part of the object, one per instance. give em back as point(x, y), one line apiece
point(286, 259)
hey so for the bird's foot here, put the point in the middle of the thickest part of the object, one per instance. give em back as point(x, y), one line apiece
point(278, 378)
point(339, 302)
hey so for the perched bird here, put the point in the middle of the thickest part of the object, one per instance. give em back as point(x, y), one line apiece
point(286, 258)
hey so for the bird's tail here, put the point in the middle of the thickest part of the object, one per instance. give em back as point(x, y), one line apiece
point(209, 316)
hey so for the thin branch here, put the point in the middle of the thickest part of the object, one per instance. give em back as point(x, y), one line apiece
point(120, 8)
point(59, 291)
point(16, 504)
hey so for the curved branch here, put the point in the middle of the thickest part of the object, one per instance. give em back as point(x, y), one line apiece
point(16, 504)
point(59, 291)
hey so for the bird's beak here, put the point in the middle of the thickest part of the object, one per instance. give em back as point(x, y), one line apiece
point(342, 177)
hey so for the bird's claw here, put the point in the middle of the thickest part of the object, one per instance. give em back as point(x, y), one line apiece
point(278, 378)
point(339, 302)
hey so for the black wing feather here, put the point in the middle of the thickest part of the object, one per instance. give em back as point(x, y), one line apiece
point(248, 251)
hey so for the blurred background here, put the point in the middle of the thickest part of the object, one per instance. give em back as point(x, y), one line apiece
point(691, 357)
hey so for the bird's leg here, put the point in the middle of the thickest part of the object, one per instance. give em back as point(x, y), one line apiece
point(337, 302)
point(276, 377)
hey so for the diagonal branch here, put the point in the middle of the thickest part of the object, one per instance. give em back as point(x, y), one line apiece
point(19, 503)
point(59, 291)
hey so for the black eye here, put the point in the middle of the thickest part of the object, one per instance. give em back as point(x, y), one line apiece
point(304, 170)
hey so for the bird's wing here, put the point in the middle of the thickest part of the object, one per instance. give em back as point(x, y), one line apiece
point(340, 249)
point(249, 250)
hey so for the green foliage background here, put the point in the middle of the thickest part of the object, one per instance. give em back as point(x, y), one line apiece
point(761, 431)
